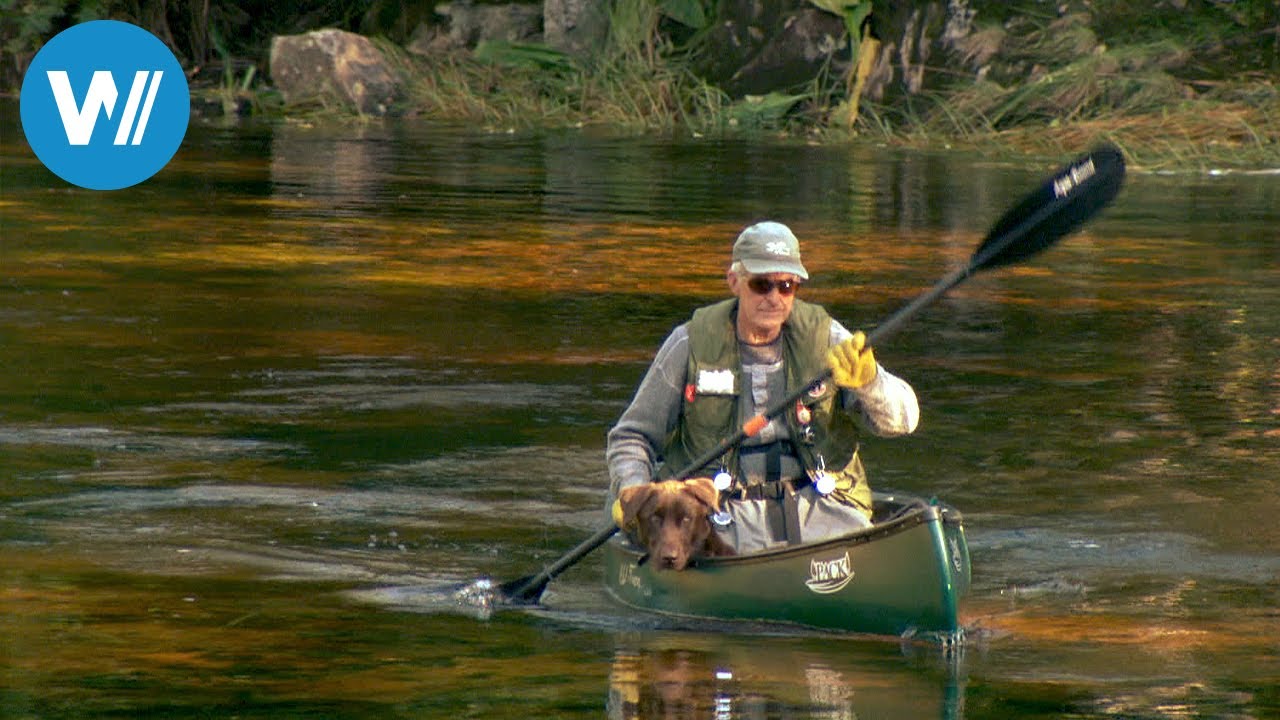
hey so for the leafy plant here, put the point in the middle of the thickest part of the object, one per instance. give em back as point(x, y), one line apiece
point(526, 55)
point(689, 13)
point(761, 111)
point(863, 49)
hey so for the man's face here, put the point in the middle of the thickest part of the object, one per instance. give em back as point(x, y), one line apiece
point(764, 303)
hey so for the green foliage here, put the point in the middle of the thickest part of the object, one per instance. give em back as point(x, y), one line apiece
point(853, 12)
point(25, 25)
point(243, 28)
point(759, 112)
point(689, 13)
point(524, 55)
point(1049, 68)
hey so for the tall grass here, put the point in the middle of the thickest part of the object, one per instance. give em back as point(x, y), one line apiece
point(632, 85)
point(1125, 95)
point(640, 84)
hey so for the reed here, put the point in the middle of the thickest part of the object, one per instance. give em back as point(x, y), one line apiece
point(639, 84)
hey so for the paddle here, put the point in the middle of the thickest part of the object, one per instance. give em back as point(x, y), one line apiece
point(1065, 201)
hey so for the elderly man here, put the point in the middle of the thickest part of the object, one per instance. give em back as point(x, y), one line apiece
point(800, 479)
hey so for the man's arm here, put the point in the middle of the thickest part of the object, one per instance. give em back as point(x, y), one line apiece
point(635, 442)
point(887, 405)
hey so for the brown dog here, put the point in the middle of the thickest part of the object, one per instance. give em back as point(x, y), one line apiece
point(671, 519)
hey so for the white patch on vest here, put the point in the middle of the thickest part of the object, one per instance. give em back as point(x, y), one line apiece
point(715, 382)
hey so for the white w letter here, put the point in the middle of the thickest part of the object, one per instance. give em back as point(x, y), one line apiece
point(79, 122)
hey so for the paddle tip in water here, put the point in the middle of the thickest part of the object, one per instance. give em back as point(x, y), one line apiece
point(481, 594)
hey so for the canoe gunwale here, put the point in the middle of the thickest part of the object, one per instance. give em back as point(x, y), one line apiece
point(915, 511)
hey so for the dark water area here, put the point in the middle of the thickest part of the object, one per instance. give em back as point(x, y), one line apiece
point(261, 415)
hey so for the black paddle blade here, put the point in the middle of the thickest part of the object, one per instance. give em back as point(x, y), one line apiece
point(1063, 203)
point(522, 591)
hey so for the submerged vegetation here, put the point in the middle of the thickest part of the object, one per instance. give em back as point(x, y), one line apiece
point(1175, 83)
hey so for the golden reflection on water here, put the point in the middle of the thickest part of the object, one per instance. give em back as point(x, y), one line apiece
point(1090, 626)
point(220, 317)
point(179, 643)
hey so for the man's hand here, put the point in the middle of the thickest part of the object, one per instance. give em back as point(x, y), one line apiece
point(852, 364)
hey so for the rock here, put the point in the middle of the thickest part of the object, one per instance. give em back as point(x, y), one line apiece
point(809, 39)
point(575, 27)
point(334, 65)
point(758, 47)
point(469, 24)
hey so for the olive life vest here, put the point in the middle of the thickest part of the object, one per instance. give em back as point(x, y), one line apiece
point(824, 435)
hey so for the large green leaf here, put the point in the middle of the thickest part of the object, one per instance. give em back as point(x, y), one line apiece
point(762, 110)
point(685, 12)
point(528, 55)
point(854, 13)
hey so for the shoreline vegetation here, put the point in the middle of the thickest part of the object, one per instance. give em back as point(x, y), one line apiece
point(1231, 126)
point(1177, 85)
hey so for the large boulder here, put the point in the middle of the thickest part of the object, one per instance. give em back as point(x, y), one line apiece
point(755, 47)
point(334, 66)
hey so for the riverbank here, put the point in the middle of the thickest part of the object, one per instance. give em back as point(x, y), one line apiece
point(1225, 126)
point(1179, 86)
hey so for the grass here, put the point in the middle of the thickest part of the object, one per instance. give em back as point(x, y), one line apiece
point(1232, 127)
point(1053, 89)
point(1123, 96)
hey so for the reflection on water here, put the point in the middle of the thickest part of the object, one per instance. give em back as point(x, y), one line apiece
point(685, 677)
point(263, 416)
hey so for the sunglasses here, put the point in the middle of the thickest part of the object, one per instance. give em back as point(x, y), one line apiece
point(763, 286)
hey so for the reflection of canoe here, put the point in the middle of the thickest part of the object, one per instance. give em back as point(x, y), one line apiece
point(726, 675)
point(903, 575)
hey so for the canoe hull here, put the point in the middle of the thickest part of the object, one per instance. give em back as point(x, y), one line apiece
point(903, 576)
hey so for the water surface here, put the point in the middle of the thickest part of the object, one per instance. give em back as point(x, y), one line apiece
point(262, 414)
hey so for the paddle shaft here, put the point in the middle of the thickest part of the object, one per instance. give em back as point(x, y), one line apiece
point(534, 585)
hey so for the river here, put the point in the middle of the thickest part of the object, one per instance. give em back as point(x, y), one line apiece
point(261, 415)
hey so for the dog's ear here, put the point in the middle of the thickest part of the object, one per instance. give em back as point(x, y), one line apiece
point(634, 498)
point(704, 491)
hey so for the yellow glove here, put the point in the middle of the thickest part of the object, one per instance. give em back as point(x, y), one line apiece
point(617, 514)
point(852, 364)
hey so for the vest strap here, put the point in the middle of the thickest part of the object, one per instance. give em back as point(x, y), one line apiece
point(777, 490)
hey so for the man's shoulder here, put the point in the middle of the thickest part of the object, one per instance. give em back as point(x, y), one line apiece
point(676, 346)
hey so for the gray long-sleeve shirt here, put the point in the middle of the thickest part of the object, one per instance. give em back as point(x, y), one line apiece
point(887, 405)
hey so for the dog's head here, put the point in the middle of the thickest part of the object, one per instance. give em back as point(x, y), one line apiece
point(671, 518)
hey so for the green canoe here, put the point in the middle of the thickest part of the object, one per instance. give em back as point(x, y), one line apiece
point(903, 576)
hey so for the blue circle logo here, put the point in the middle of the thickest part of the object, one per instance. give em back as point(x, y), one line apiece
point(104, 105)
